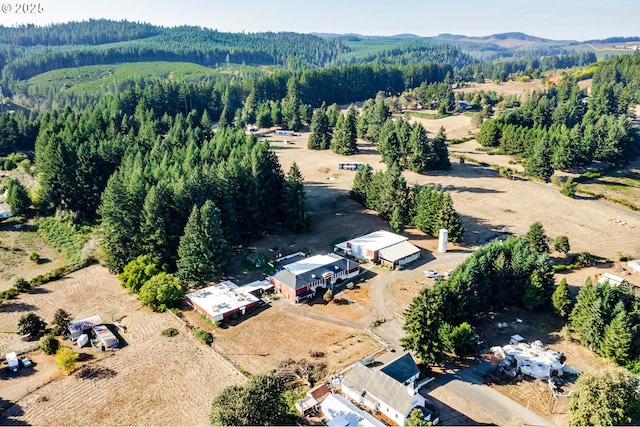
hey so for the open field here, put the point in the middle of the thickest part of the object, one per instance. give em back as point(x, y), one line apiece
point(260, 342)
point(485, 201)
point(15, 247)
point(152, 380)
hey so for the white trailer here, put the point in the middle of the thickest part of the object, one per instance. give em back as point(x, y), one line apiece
point(12, 360)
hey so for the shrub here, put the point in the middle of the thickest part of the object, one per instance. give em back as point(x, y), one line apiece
point(66, 359)
point(21, 284)
point(49, 344)
point(316, 353)
point(585, 259)
point(203, 336)
point(170, 332)
point(569, 187)
point(11, 293)
point(33, 256)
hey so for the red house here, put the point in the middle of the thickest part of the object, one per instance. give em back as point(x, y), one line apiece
point(301, 279)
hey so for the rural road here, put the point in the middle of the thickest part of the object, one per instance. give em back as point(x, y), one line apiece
point(391, 329)
point(466, 387)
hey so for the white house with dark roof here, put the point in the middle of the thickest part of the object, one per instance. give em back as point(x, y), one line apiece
point(389, 249)
point(389, 391)
point(301, 279)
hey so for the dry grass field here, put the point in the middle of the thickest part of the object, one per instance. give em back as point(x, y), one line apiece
point(15, 246)
point(260, 342)
point(152, 380)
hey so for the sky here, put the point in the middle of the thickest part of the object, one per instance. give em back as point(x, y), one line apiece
point(553, 19)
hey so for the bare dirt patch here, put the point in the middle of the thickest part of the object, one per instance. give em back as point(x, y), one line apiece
point(504, 88)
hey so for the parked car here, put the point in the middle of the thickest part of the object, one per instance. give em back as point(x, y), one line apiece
point(448, 272)
point(432, 274)
point(26, 362)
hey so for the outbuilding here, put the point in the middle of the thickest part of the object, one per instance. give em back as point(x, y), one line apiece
point(223, 301)
point(388, 249)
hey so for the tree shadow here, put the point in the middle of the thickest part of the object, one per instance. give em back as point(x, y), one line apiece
point(39, 290)
point(13, 307)
point(10, 412)
point(251, 313)
point(96, 373)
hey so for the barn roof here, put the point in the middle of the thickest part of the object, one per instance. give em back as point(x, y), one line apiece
point(374, 241)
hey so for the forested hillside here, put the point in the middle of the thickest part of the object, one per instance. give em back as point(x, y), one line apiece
point(28, 51)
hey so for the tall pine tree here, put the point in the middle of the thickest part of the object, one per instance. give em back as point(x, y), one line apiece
point(294, 200)
point(203, 252)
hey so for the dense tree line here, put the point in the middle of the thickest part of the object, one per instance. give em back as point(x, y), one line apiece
point(91, 32)
point(73, 45)
point(497, 275)
point(607, 321)
point(533, 65)
point(428, 208)
point(562, 128)
point(165, 186)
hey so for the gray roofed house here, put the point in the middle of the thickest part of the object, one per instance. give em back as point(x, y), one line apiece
point(403, 369)
point(300, 279)
point(381, 393)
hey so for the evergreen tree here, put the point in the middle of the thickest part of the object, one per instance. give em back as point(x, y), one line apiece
point(294, 205)
point(160, 225)
point(421, 150)
point(396, 222)
point(203, 252)
point(561, 244)
point(393, 193)
point(561, 299)
point(31, 324)
point(291, 106)
point(441, 159)
point(319, 136)
point(539, 164)
point(617, 339)
point(362, 183)
point(344, 136)
point(263, 117)
point(17, 198)
point(423, 320)
point(533, 292)
point(389, 145)
point(333, 114)
point(61, 320)
point(537, 239)
point(448, 219)
point(120, 209)
point(429, 202)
